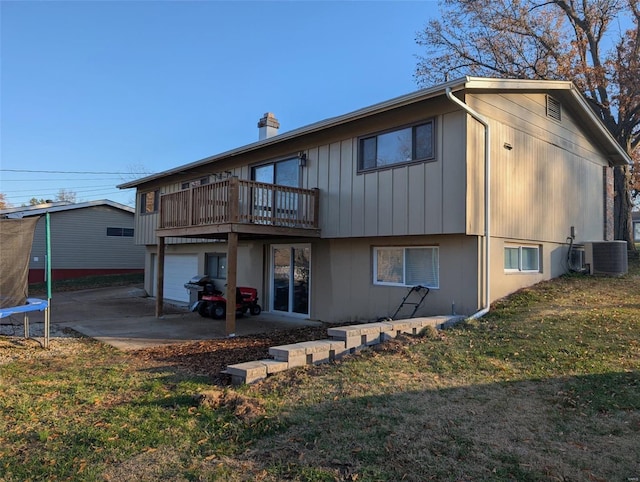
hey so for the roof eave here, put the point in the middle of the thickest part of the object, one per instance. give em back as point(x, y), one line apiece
point(617, 155)
point(306, 130)
point(29, 211)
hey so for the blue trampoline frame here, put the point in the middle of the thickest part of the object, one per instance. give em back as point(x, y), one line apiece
point(36, 304)
point(33, 304)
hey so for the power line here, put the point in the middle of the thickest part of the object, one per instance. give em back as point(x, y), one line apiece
point(74, 172)
point(73, 188)
point(64, 179)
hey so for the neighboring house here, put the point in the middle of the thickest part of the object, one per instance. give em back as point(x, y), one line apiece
point(335, 220)
point(89, 238)
point(636, 226)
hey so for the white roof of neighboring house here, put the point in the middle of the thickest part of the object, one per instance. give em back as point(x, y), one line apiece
point(38, 209)
point(564, 90)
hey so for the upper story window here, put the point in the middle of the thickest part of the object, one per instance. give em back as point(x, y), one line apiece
point(409, 144)
point(195, 182)
point(149, 202)
point(283, 173)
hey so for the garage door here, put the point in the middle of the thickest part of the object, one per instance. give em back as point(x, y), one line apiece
point(178, 269)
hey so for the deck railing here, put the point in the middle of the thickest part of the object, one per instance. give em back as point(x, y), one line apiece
point(240, 201)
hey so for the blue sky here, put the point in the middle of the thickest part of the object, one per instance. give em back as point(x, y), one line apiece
point(144, 86)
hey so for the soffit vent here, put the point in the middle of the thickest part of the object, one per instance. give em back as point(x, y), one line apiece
point(554, 109)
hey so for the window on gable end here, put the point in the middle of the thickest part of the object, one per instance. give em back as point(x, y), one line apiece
point(149, 202)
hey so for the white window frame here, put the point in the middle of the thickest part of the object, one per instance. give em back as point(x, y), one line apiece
point(436, 253)
point(520, 248)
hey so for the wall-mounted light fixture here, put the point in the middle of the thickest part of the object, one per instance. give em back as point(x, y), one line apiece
point(302, 159)
point(507, 146)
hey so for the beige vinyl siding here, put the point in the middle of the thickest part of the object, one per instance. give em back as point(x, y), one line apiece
point(550, 180)
point(475, 170)
point(79, 240)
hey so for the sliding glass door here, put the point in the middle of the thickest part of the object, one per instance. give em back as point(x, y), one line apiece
point(290, 278)
point(285, 205)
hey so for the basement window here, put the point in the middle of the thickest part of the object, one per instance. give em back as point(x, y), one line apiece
point(521, 259)
point(410, 266)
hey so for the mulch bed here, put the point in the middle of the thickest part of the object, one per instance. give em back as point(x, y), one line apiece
point(210, 357)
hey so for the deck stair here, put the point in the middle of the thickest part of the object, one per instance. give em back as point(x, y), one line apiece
point(342, 341)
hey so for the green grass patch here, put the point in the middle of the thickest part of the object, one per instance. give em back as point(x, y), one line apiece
point(88, 282)
point(545, 387)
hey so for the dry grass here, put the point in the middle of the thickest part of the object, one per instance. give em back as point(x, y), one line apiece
point(546, 387)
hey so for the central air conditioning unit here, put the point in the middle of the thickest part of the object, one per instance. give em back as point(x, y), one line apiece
point(577, 258)
point(606, 257)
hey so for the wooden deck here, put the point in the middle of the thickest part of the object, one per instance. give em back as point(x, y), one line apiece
point(241, 206)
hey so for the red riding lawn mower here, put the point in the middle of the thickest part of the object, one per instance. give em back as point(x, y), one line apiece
point(211, 302)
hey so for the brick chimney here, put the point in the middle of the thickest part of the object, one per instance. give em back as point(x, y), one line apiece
point(267, 126)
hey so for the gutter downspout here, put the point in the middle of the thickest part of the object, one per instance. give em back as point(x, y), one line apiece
point(487, 199)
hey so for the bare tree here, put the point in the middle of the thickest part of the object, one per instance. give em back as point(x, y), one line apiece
point(3, 201)
point(594, 43)
point(66, 195)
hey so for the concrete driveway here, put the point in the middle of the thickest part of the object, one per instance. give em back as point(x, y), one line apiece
point(125, 318)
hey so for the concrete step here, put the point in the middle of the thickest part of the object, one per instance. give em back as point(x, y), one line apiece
point(253, 371)
point(343, 340)
point(308, 352)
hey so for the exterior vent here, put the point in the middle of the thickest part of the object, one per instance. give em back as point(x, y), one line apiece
point(554, 108)
point(606, 257)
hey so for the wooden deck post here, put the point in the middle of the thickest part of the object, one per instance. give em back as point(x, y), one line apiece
point(160, 279)
point(232, 271)
point(234, 199)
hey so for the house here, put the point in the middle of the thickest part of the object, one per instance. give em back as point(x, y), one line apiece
point(636, 226)
point(471, 188)
point(89, 238)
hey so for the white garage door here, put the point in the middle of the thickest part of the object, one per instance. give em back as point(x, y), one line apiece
point(179, 269)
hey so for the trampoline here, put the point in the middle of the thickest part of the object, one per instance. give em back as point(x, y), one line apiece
point(16, 237)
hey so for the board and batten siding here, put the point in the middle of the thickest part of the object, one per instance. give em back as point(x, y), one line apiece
point(410, 199)
point(79, 240)
point(550, 179)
